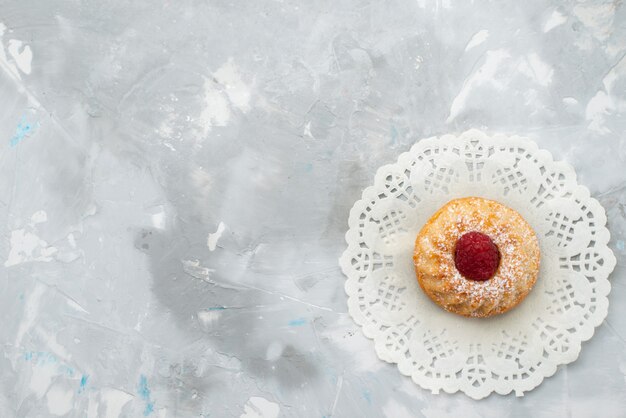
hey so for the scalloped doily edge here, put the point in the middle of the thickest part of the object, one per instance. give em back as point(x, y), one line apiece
point(552, 367)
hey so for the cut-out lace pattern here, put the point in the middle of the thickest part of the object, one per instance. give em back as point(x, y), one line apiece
point(443, 351)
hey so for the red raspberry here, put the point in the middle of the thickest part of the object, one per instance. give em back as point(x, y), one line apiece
point(476, 257)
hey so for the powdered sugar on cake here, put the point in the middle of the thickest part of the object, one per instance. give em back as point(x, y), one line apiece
point(514, 238)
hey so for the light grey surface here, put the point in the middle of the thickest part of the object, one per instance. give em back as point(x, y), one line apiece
point(136, 128)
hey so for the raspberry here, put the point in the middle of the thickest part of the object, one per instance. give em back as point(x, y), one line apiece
point(476, 257)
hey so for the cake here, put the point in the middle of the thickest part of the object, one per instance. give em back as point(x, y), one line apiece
point(476, 257)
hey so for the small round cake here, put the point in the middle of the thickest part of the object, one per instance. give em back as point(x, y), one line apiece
point(476, 257)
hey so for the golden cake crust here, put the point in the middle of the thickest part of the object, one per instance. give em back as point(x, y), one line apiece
point(442, 282)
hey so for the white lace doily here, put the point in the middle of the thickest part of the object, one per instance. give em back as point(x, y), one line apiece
point(444, 351)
